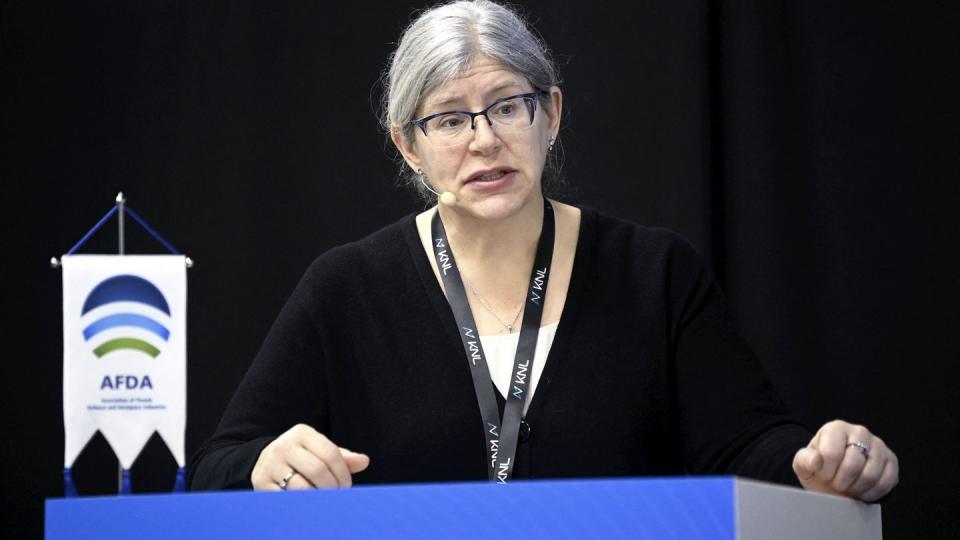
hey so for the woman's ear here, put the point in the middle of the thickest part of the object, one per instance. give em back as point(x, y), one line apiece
point(406, 148)
point(553, 109)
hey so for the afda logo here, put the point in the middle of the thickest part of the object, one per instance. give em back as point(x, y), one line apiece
point(125, 310)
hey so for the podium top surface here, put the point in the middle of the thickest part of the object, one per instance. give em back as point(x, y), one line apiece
point(711, 507)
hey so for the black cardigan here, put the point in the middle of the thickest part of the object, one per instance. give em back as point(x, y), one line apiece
point(646, 376)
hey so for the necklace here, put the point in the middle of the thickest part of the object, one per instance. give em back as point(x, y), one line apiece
point(486, 306)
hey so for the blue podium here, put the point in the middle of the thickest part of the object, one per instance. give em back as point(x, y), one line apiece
point(712, 507)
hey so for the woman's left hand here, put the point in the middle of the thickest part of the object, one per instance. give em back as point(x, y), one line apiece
point(846, 459)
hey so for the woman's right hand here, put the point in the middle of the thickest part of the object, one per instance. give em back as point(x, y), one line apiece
point(313, 460)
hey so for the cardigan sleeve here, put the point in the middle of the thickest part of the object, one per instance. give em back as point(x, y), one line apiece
point(731, 419)
point(284, 386)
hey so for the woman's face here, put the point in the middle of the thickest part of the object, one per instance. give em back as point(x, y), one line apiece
point(496, 171)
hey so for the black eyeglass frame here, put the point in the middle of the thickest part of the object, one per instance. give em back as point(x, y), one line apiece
point(533, 96)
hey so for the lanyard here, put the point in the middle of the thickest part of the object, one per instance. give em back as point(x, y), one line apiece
point(501, 435)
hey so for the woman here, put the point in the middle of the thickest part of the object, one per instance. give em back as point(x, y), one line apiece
point(609, 344)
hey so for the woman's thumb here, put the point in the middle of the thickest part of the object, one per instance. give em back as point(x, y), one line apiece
point(355, 462)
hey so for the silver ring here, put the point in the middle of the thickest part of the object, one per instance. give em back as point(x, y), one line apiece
point(864, 449)
point(286, 479)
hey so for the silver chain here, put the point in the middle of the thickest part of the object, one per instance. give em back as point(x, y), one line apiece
point(486, 306)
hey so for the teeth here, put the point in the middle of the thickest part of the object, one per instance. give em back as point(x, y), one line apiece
point(491, 176)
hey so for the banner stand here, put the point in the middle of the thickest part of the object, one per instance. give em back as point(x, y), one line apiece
point(126, 285)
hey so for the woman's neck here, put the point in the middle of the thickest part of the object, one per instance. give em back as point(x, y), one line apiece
point(478, 242)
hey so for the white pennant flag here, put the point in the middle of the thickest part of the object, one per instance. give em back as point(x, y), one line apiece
point(124, 352)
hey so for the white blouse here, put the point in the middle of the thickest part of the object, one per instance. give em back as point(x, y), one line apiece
point(500, 351)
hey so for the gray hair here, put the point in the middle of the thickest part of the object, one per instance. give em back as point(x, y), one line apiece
point(440, 44)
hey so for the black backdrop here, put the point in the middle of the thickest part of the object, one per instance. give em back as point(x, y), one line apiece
point(808, 149)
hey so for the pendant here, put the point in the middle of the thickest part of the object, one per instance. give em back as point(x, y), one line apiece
point(509, 328)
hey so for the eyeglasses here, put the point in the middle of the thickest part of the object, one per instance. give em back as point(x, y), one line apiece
point(510, 114)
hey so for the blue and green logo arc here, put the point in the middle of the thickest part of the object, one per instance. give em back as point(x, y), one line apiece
point(125, 288)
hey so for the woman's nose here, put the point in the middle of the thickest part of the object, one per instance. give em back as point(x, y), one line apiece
point(484, 137)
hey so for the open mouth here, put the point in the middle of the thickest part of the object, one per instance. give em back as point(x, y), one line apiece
point(490, 177)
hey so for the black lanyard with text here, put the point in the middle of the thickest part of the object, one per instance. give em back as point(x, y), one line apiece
point(502, 436)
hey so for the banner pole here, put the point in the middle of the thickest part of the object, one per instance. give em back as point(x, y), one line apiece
point(121, 248)
point(120, 211)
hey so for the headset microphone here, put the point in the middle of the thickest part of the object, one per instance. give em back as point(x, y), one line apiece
point(446, 198)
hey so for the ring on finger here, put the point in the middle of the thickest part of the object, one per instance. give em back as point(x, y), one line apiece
point(864, 449)
point(286, 479)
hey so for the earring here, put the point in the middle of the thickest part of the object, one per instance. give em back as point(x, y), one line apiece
point(550, 143)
